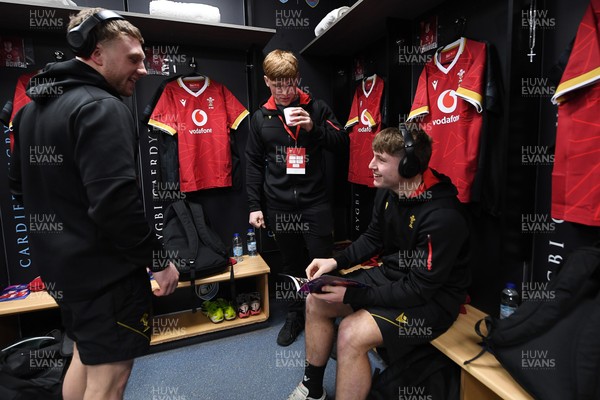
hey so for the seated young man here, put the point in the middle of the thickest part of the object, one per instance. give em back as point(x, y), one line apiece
point(422, 237)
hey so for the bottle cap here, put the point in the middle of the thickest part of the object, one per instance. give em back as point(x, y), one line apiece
point(236, 234)
point(511, 285)
point(250, 230)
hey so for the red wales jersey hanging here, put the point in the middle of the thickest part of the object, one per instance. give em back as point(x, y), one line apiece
point(449, 100)
point(201, 112)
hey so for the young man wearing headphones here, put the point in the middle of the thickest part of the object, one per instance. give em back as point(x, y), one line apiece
point(422, 237)
point(96, 263)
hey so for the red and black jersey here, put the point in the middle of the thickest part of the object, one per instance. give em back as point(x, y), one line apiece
point(576, 171)
point(449, 99)
point(201, 112)
point(364, 122)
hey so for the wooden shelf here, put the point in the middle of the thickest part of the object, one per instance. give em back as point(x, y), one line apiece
point(170, 327)
point(251, 266)
point(34, 302)
point(363, 24)
point(17, 16)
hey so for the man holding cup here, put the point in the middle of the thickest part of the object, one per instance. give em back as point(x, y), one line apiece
point(286, 174)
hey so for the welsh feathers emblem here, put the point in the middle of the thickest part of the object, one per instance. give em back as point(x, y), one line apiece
point(312, 3)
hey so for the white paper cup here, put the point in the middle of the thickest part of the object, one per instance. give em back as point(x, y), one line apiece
point(288, 114)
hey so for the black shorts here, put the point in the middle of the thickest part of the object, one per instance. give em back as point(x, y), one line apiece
point(403, 329)
point(114, 326)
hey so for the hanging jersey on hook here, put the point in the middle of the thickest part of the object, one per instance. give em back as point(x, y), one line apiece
point(449, 98)
point(364, 122)
point(201, 112)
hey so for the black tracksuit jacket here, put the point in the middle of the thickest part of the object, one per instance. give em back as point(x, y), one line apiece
point(266, 156)
point(424, 246)
point(91, 186)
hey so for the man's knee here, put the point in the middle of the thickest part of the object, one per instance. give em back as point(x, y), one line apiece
point(315, 307)
point(109, 379)
point(358, 333)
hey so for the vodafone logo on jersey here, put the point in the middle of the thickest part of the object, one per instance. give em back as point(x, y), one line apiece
point(364, 119)
point(199, 118)
point(447, 103)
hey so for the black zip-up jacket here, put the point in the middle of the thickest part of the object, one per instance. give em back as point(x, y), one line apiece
point(74, 164)
point(266, 156)
point(424, 245)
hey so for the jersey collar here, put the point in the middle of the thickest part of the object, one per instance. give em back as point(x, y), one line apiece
point(197, 93)
point(461, 47)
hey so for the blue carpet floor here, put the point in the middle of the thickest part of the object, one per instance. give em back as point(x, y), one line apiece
point(247, 366)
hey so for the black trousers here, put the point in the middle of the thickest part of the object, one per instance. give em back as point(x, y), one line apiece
point(301, 235)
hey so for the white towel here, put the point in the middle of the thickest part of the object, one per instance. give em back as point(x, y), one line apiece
point(185, 11)
point(330, 19)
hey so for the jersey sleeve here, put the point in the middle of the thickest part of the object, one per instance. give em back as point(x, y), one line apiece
point(236, 112)
point(353, 116)
point(163, 116)
point(583, 68)
point(20, 97)
point(420, 104)
point(471, 86)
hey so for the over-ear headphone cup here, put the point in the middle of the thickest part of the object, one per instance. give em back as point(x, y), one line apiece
point(82, 39)
point(75, 39)
point(409, 167)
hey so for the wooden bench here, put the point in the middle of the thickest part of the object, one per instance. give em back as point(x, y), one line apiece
point(484, 378)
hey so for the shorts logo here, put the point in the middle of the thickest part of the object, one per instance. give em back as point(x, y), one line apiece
point(144, 321)
point(201, 122)
point(403, 319)
point(447, 101)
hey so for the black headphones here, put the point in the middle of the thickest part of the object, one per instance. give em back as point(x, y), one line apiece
point(82, 39)
point(409, 165)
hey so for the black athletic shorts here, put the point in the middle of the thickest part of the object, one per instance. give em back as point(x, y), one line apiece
point(403, 329)
point(114, 326)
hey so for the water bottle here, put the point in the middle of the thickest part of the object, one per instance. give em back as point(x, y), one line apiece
point(251, 242)
point(509, 300)
point(238, 249)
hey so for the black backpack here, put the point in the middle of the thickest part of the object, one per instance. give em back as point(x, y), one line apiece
point(550, 345)
point(424, 373)
point(195, 249)
point(34, 368)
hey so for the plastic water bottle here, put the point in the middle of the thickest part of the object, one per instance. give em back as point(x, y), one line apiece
point(509, 300)
point(238, 249)
point(251, 242)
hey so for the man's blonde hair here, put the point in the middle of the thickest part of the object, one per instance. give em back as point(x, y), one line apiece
point(280, 64)
point(108, 30)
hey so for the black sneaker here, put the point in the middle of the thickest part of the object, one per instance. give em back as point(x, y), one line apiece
point(294, 324)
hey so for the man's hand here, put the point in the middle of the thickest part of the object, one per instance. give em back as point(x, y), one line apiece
point(167, 280)
point(257, 219)
point(320, 266)
point(300, 116)
point(331, 294)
